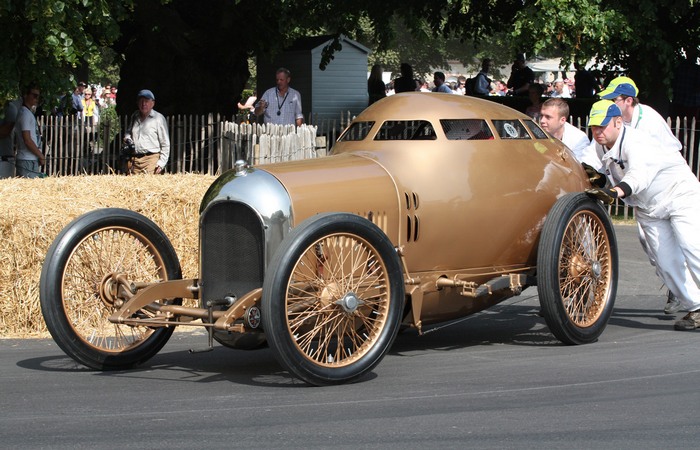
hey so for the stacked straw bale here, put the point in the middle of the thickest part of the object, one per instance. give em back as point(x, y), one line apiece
point(35, 211)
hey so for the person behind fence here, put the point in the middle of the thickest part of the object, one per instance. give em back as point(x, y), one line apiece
point(148, 137)
point(71, 104)
point(666, 197)
point(30, 158)
point(623, 92)
point(405, 83)
point(376, 89)
point(521, 76)
point(482, 82)
point(7, 147)
point(91, 114)
point(281, 105)
point(440, 85)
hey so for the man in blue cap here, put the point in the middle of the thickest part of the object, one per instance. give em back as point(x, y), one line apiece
point(623, 91)
point(148, 134)
point(666, 197)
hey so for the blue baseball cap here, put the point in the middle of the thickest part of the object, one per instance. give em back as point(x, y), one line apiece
point(619, 86)
point(601, 113)
point(145, 93)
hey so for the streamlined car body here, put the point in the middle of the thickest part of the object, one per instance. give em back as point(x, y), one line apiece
point(430, 207)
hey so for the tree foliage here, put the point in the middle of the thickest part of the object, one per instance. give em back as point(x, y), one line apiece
point(188, 48)
point(51, 41)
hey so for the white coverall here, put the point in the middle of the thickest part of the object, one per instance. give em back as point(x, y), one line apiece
point(666, 195)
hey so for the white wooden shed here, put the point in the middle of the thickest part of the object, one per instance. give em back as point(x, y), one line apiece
point(342, 86)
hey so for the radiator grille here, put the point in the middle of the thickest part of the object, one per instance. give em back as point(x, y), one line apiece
point(232, 251)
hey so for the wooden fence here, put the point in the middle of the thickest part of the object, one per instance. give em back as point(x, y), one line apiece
point(204, 144)
point(210, 145)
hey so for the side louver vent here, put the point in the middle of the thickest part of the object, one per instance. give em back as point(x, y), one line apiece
point(412, 219)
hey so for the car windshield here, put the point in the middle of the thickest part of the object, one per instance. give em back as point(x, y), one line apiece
point(466, 129)
point(535, 129)
point(357, 131)
point(510, 129)
point(406, 130)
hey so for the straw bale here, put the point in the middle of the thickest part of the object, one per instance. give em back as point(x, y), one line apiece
point(35, 210)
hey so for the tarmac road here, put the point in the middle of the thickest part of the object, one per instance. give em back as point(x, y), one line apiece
point(498, 379)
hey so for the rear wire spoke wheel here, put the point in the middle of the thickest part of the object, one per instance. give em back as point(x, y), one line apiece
point(79, 289)
point(577, 269)
point(332, 299)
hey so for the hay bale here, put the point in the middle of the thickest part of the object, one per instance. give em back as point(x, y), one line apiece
point(35, 211)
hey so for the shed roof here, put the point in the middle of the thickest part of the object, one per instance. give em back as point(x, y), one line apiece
point(314, 42)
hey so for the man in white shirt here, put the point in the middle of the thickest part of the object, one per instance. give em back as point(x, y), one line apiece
point(30, 159)
point(666, 197)
point(554, 115)
point(623, 92)
point(148, 132)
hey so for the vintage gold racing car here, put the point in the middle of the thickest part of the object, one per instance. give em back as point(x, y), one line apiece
point(430, 208)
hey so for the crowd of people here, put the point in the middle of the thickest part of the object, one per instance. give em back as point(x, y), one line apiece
point(522, 80)
point(146, 142)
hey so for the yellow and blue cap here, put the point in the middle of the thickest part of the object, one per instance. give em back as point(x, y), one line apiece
point(619, 86)
point(601, 113)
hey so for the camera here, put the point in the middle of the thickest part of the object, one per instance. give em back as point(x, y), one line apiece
point(128, 149)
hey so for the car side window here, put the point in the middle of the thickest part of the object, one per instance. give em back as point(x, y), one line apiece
point(510, 129)
point(406, 130)
point(466, 129)
point(535, 129)
point(356, 132)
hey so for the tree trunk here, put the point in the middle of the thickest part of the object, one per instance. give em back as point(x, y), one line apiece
point(185, 52)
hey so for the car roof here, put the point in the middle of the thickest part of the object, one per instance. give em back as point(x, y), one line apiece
point(435, 106)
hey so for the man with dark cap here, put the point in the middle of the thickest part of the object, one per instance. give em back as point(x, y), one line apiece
point(148, 134)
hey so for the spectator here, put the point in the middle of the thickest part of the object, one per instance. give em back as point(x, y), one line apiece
point(30, 159)
point(405, 82)
point(7, 148)
point(623, 92)
point(535, 94)
point(249, 104)
point(91, 114)
point(71, 104)
point(585, 84)
point(521, 76)
point(666, 197)
point(376, 89)
point(554, 116)
point(285, 101)
point(107, 98)
point(501, 88)
point(148, 132)
point(482, 83)
point(461, 85)
point(440, 85)
point(686, 86)
point(560, 90)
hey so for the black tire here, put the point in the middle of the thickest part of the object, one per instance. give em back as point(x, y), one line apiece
point(79, 265)
point(577, 269)
point(336, 277)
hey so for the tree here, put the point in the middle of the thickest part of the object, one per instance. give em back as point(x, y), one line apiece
point(641, 38)
point(194, 54)
point(50, 41)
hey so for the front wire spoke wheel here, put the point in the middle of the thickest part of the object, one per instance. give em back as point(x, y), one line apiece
point(332, 298)
point(577, 269)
